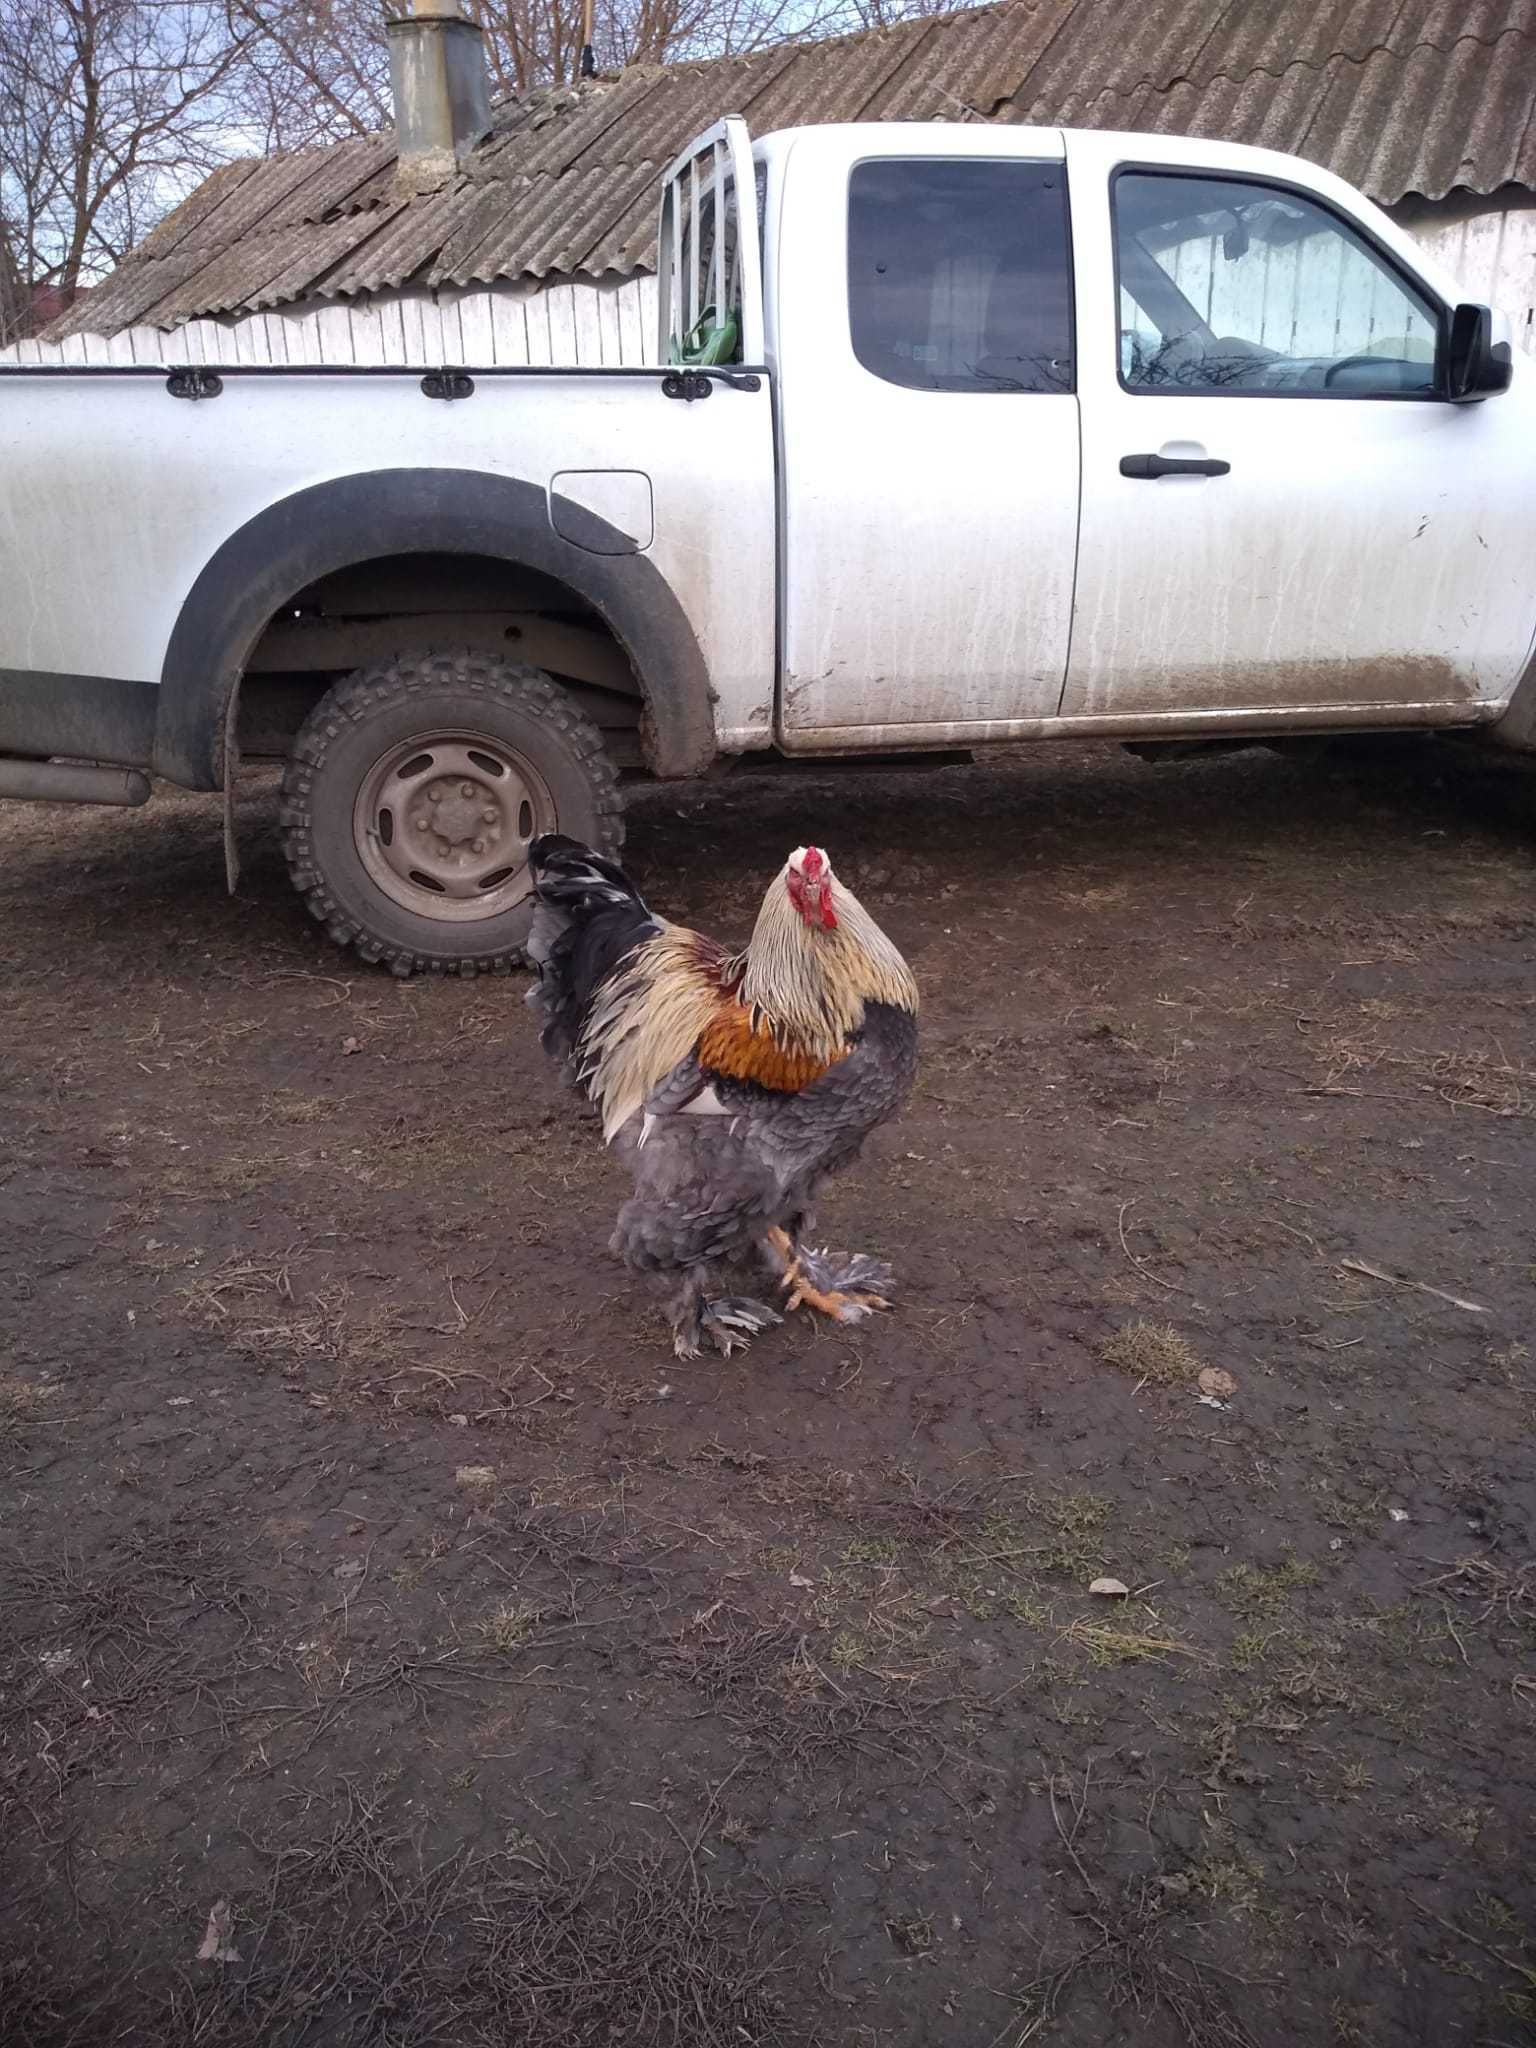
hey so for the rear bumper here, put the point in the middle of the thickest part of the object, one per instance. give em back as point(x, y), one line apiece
point(83, 718)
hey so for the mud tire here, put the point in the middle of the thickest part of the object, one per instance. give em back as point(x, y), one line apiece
point(385, 704)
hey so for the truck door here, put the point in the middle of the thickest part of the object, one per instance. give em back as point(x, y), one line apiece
point(1280, 513)
point(929, 439)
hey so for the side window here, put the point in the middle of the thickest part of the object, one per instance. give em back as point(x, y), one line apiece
point(1226, 285)
point(959, 274)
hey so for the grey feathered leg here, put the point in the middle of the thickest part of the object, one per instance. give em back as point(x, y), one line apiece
point(685, 1311)
point(730, 1321)
point(733, 1320)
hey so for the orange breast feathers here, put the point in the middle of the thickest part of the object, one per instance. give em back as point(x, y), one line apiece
point(730, 1045)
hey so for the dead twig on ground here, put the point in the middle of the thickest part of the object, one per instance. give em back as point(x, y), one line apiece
point(1169, 1286)
point(1374, 1272)
point(1521, 1970)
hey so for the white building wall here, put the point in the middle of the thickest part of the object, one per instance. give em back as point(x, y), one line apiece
point(1313, 297)
point(594, 325)
point(1489, 245)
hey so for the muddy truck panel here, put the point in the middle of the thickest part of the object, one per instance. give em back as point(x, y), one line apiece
point(115, 607)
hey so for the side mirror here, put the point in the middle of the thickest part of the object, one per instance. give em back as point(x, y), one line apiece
point(1478, 362)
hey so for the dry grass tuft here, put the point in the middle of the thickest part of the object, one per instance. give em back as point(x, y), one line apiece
point(1478, 1078)
point(262, 1308)
point(1063, 1531)
point(23, 1405)
point(1152, 1351)
point(1255, 1590)
point(1232, 1884)
point(20, 1400)
point(509, 1625)
point(1106, 1644)
point(1485, 1590)
point(970, 1533)
point(252, 1303)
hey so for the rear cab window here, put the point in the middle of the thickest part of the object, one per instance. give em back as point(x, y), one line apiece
point(960, 274)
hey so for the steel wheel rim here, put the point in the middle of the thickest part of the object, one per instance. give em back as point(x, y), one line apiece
point(442, 823)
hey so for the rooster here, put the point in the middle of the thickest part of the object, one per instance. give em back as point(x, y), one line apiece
point(730, 1083)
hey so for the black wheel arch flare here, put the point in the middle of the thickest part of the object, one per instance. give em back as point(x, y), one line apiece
point(349, 520)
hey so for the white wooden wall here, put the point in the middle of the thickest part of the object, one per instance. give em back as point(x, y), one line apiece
point(1318, 296)
point(588, 324)
point(1490, 248)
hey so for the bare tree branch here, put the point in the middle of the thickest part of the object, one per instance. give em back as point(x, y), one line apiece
point(112, 111)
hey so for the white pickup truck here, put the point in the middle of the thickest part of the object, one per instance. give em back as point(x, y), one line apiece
point(965, 434)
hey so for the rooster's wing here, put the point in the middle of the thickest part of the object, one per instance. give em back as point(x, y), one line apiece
point(718, 1158)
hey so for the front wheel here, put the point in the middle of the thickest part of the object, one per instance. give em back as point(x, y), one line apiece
point(410, 796)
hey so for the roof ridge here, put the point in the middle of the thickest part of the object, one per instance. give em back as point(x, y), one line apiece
point(1334, 57)
point(915, 25)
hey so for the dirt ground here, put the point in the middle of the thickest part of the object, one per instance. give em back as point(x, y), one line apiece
point(371, 1572)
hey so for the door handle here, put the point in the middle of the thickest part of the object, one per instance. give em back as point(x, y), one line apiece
point(1144, 466)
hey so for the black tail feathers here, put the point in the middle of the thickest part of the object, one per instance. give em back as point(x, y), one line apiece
point(588, 915)
point(573, 878)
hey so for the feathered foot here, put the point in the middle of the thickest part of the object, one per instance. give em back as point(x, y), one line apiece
point(845, 1286)
point(733, 1320)
point(730, 1321)
point(857, 1274)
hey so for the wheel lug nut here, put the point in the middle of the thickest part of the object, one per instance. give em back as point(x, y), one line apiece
point(479, 846)
point(421, 822)
point(466, 789)
point(488, 815)
point(435, 792)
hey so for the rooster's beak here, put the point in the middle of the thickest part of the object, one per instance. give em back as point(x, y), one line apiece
point(818, 905)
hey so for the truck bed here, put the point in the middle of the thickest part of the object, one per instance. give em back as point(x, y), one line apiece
point(116, 494)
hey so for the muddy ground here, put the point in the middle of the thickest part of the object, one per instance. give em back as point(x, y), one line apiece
point(369, 1565)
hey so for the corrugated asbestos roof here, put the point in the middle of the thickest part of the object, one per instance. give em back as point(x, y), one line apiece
point(1398, 96)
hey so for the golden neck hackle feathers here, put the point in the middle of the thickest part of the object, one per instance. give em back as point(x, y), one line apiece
point(808, 985)
point(802, 988)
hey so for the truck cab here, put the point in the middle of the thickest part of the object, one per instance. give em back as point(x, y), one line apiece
point(1086, 432)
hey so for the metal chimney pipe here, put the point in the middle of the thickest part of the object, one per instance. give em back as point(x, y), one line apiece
point(442, 91)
